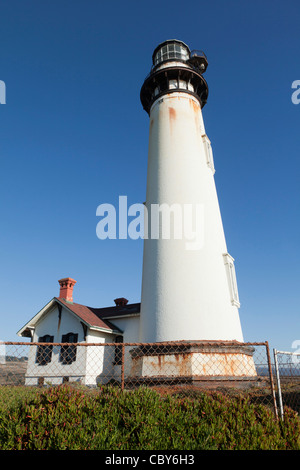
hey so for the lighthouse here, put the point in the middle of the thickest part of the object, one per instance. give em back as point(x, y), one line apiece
point(189, 287)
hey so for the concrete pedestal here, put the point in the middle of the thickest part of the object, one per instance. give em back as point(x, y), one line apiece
point(191, 362)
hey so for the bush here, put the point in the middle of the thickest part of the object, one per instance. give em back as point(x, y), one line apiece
point(64, 417)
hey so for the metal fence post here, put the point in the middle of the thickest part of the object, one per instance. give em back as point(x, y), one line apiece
point(278, 382)
point(271, 379)
point(123, 367)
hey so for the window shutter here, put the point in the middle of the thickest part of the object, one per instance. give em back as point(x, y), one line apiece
point(44, 352)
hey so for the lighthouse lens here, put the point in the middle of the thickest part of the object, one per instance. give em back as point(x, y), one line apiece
point(171, 51)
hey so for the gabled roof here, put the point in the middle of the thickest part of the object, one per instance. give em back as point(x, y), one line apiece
point(87, 314)
point(98, 318)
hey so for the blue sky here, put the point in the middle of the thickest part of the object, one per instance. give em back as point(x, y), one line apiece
point(73, 135)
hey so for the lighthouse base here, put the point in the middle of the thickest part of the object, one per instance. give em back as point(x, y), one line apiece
point(191, 363)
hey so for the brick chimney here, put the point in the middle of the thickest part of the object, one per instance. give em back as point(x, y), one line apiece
point(121, 302)
point(66, 288)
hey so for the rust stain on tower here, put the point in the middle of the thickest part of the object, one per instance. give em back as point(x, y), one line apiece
point(172, 114)
point(172, 117)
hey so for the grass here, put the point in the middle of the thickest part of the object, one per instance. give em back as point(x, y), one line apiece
point(77, 418)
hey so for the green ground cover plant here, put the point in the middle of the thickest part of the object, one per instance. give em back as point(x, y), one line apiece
point(76, 418)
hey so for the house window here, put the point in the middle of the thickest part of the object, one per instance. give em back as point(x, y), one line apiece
point(68, 353)
point(231, 276)
point(44, 351)
point(208, 153)
point(118, 350)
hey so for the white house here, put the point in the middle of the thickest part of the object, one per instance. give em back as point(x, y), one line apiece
point(63, 321)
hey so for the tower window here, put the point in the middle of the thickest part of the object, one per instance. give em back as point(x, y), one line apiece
point(190, 86)
point(231, 276)
point(173, 84)
point(208, 153)
point(182, 84)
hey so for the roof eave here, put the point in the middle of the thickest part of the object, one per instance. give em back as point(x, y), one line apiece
point(30, 325)
point(106, 330)
point(125, 315)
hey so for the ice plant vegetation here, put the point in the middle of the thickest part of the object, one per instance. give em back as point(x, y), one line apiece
point(65, 417)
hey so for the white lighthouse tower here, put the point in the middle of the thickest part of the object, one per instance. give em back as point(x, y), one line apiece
point(189, 289)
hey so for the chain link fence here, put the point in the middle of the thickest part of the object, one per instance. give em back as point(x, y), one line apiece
point(287, 371)
point(170, 367)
